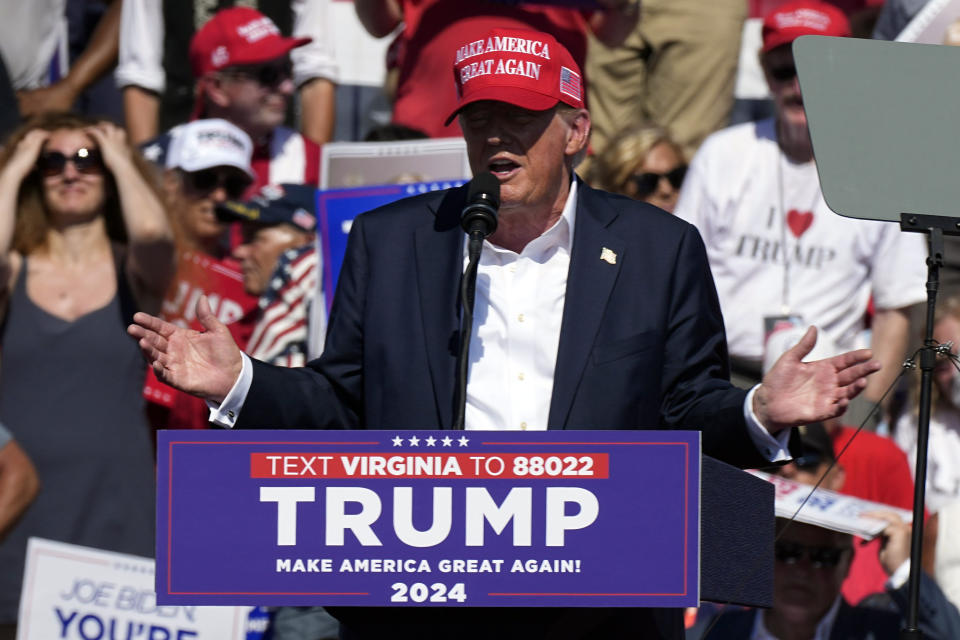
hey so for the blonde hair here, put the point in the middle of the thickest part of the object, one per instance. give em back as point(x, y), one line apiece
point(627, 149)
point(32, 219)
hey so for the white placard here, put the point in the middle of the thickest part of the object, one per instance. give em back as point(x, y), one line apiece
point(828, 509)
point(78, 593)
point(359, 164)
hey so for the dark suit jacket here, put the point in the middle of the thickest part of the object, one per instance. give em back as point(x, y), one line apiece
point(937, 618)
point(642, 341)
point(641, 346)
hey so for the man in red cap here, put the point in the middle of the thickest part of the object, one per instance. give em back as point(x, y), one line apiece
point(779, 255)
point(592, 312)
point(241, 63)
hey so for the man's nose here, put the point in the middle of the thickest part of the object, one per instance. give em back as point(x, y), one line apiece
point(286, 87)
point(219, 194)
point(241, 251)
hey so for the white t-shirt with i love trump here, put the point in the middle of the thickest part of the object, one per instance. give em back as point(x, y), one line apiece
point(775, 248)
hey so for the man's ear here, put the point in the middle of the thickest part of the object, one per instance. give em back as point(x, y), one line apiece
point(172, 185)
point(210, 87)
point(578, 134)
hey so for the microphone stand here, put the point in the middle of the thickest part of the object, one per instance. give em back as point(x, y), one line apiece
point(935, 227)
point(468, 288)
point(479, 221)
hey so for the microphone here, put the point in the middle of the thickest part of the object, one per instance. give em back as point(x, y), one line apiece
point(479, 220)
point(483, 200)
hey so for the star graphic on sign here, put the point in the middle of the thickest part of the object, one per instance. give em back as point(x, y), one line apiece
point(446, 441)
point(397, 441)
point(414, 441)
point(463, 441)
point(431, 441)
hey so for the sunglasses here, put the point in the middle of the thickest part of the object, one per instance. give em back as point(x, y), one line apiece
point(85, 161)
point(268, 74)
point(820, 557)
point(646, 183)
point(784, 73)
point(206, 181)
point(810, 461)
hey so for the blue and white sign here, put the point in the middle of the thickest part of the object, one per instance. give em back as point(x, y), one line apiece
point(438, 518)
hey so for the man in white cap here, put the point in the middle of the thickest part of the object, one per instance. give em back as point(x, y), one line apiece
point(208, 163)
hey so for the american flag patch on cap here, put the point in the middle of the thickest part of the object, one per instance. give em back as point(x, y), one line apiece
point(570, 83)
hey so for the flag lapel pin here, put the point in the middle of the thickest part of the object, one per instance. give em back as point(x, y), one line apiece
point(608, 256)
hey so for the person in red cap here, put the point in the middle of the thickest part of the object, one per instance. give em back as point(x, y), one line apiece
point(592, 311)
point(246, 72)
point(778, 253)
point(431, 29)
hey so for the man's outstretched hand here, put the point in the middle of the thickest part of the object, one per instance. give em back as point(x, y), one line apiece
point(794, 392)
point(203, 363)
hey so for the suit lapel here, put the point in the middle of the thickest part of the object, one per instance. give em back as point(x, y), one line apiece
point(439, 257)
point(594, 266)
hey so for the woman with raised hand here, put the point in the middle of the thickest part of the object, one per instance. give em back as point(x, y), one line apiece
point(84, 243)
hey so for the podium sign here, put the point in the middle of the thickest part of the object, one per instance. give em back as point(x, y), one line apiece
point(428, 518)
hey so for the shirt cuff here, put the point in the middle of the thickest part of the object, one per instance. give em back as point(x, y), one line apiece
point(773, 448)
point(225, 414)
point(899, 577)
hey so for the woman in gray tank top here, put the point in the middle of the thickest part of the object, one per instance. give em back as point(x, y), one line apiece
point(84, 243)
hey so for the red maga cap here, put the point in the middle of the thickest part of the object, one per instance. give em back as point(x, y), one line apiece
point(525, 68)
point(803, 18)
point(239, 35)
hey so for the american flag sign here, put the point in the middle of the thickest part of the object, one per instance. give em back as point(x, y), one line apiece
point(570, 83)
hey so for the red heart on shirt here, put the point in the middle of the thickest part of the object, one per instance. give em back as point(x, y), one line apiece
point(799, 222)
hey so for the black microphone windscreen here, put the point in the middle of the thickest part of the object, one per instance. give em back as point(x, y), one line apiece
point(486, 185)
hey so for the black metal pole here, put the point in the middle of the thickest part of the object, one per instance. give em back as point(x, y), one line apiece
point(928, 357)
point(468, 287)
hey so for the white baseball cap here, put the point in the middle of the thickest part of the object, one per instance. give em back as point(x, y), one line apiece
point(202, 144)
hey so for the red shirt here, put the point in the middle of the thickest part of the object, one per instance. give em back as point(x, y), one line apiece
point(221, 281)
point(433, 29)
point(876, 469)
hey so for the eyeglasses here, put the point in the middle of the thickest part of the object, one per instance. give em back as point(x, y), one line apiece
point(206, 181)
point(820, 557)
point(268, 74)
point(646, 183)
point(86, 161)
point(784, 73)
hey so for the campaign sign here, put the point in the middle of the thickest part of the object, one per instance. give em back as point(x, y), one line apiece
point(336, 209)
point(81, 593)
point(433, 518)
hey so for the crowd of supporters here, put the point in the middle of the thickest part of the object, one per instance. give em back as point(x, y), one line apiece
point(200, 184)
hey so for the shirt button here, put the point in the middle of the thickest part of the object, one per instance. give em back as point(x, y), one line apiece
point(520, 376)
point(523, 425)
point(520, 318)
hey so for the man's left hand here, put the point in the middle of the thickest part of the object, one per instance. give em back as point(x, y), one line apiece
point(794, 392)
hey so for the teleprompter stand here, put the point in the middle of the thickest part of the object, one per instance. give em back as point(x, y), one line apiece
point(877, 113)
point(935, 227)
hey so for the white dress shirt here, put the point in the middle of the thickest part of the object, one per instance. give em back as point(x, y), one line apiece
point(513, 345)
